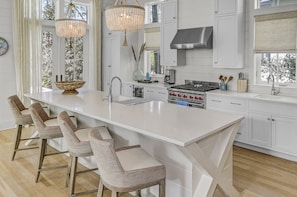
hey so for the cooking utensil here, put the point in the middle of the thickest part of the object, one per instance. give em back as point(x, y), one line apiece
point(229, 79)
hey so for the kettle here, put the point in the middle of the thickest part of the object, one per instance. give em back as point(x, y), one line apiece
point(169, 76)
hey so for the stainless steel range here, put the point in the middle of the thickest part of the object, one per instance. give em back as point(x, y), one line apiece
point(192, 93)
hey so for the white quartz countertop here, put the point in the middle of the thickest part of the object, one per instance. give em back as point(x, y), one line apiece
point(167, 122)
point(255, 96)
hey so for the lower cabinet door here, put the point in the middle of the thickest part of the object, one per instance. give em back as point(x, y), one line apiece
point(284, 134)
point(260, 130)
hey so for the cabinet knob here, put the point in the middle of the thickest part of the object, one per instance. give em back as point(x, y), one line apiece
point(272, 119)
point(268, 118)
point(174, 17)
point(215, 62)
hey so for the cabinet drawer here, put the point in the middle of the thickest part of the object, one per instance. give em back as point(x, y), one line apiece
point(226, 102)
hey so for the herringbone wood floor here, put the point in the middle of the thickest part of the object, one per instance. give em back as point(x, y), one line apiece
point(253, 173)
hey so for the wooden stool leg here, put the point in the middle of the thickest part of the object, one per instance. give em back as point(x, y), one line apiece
point(17, 141)
point(72, 175)
point(162, 188)
point(42, 150)
point(100, 189)
point(138, 193)
point(114, 194)
point(68, 170)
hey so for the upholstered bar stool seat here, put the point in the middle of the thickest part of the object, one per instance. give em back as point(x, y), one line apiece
point(48, 128)
point(78, 145)
point(126, 169)
point(22, 117)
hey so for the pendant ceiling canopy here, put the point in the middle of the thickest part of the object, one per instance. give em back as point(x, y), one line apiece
point(68, 27)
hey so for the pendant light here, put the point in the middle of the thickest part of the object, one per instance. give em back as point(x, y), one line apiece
point(123, 17)
point(68, 27)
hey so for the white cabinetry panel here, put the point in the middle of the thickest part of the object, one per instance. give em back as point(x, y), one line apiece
point(260, 130)
point(168, 56)
point(228, 36)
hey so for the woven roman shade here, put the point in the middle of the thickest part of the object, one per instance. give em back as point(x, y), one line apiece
point(152, 38)
point(276, 32)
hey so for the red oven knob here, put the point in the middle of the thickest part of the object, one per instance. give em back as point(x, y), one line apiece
point(179, 95)
point(185, 96)
point(191, 97)
point(196, 98)
point(200, 98)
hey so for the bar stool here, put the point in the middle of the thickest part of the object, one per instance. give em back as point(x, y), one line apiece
point(48, 128)
point(22, 117)
point(78, 145)
point(126, 169)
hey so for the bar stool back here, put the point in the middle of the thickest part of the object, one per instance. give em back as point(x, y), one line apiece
point(78, 145)
point(48, 128)
point(22, 117)
point(126, 169)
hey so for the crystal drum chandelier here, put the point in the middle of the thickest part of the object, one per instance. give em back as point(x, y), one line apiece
point(70, 27)
point(123, 17)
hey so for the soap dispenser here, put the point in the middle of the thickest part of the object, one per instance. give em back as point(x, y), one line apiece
point(147, 76)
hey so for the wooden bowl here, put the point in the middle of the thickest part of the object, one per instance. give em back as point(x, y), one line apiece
point(69, 87)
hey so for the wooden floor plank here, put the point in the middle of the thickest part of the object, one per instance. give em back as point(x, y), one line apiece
point(255, 174)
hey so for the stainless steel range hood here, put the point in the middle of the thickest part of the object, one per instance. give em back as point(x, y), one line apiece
point(195, 38)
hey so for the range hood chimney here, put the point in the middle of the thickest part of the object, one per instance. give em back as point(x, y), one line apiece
point(195, 38)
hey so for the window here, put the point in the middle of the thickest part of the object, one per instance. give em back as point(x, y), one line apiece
point(66, 57)
point(152, 38)
point(273, 3)
point(275, 43)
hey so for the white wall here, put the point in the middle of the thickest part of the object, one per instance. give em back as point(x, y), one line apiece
point(7, 73)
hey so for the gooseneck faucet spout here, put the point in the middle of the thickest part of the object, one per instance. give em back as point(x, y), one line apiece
point(274, 90)
point(110, 88)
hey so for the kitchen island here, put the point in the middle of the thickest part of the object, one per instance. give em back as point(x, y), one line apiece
point(194, 144)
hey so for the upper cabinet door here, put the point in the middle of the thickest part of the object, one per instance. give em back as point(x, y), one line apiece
point(228, 35)
point(168, 56)
point(169, 12)
point(225, 6)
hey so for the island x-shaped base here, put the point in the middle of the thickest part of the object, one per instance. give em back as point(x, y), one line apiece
point(212, 163)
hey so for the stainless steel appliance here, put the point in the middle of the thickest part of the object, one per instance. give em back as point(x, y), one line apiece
point(169, 76)
point(138, 91)
point(192, 93)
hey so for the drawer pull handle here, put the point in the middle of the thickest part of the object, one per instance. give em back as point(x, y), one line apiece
point(162, 93)
point(239, 133)
point(218, 101)
point(235, 103)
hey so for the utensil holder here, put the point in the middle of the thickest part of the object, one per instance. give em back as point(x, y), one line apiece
point(223, 86)
point(242, 85)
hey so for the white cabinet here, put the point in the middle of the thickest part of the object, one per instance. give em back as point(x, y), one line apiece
point(284, 134)
point(232, 105)
point(110, 57)
point(228, 35)
point(225, 6)
point(273, 125)
point(168, 56)
point(260, 130)
point(155, 93)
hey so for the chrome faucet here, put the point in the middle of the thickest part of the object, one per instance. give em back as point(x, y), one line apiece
point(110, 88)
point(274, 90)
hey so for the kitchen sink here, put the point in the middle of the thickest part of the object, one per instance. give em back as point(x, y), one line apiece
point(128, 100)
point(133, 101)
point(267, 96)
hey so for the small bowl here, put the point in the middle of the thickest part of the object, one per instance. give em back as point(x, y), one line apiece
point(69, 87)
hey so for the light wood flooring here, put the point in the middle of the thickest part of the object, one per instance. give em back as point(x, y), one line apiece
point(254, 173)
